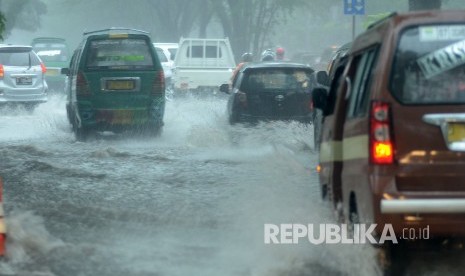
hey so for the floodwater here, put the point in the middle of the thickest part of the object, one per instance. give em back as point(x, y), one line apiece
point(191, 202)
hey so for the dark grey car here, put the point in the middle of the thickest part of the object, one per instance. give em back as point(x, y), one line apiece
point(270, 91)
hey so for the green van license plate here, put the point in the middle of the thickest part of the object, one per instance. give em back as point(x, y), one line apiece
point(120, 85)
point(456, 132)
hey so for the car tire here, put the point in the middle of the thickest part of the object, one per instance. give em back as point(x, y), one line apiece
point(154, 130)
point(324, 192)
point(317, 123)
point(68, 114)
point(232, 118)
point(157, 132)
point(30, 107)
point(393, 259)
point(169, 94)
point(80, 133)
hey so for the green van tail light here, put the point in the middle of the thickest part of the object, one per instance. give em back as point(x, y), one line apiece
point(82, 87)
point(381, 143)
point(158, 87)
point(2, 71)
point(242, 99)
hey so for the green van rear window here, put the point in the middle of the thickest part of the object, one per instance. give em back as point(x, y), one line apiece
point(51, 52)
point(429, 65)
point(117, 54)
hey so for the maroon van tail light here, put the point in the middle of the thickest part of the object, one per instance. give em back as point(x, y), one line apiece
point(381, 143)
point(158, 87)
point(82, 87)
point(3, 231)
point(242, 99)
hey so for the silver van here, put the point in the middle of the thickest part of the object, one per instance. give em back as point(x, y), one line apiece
point(22, 76)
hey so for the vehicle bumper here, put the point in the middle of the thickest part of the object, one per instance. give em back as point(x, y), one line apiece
point(26, 98)
point(251, 118)
point(442, 212)
point(120, 118)
point(423, 206)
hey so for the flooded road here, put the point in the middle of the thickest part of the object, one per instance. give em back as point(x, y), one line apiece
point(191, 202)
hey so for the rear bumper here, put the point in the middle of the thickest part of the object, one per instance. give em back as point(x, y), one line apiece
point(120, 118)
point(423, 206)
point(441, 211)
point(33, 94)
point(251, 118)
point(28, 98)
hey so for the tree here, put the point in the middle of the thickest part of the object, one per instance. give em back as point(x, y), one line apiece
point(179, 17)
point(415, 5)
point(21, 14)
point(2, 25)
point(251, 23)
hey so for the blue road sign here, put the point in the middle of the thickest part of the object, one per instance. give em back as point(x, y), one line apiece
point(354, 7)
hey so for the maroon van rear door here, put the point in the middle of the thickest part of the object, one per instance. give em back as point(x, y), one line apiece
point(428, 118)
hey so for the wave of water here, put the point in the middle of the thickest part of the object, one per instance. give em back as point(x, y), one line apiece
point(191, 202)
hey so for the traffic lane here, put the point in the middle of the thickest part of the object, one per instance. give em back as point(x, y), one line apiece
point(84, 207)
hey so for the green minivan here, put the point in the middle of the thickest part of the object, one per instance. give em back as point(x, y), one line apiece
point(54, 52)
point(115, 82)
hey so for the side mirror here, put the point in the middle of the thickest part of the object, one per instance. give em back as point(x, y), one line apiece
point(320, 98)
point(225, 88)
point(64, 71)
point(322, 78)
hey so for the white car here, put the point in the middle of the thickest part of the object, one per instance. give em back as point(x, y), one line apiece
point(165, 62)
point(170, 49)
point(22, 76)
point(166, 55)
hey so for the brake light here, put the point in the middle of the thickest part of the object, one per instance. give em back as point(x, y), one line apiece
point(82, 87)
point(242, 99)
point(44, 69)
point(381, 143)
point(310, 105)
point(2, 223)
point(158, 87)
point(2, 244)
point(2, 71)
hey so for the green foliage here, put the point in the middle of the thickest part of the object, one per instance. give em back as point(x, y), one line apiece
point(250, 24)
point(2, 25)
point(23, 14)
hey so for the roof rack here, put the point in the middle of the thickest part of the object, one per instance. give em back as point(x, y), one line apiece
point(115, 29)
point(392, 14)
point(48, 38)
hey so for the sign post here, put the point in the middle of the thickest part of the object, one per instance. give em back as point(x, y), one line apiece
point(354, 7)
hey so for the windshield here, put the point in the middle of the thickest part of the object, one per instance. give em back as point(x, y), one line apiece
point(51, 51)
point(10, 57)
point(173, 52)
point(161, 55)
point(429, 66)
point(119, 54)
point(270, 80)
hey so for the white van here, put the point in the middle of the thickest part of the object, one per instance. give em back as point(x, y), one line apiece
point(203, 64)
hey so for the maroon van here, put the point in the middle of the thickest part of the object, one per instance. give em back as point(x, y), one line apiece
point(393, 137)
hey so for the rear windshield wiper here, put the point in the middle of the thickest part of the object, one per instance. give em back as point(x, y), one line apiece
point(30, 62)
